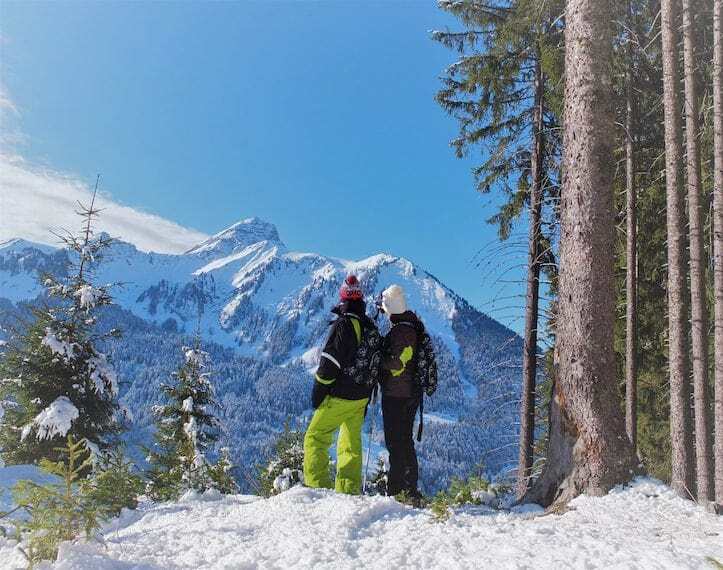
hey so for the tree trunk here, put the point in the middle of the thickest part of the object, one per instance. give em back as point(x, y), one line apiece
point(699, 311)
point(718, 241)
point(631, 280)
point(680, 424)
point(529, 356)
point(589, 449)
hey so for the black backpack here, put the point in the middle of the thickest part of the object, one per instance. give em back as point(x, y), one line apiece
point(366, 369)
point(425, 374)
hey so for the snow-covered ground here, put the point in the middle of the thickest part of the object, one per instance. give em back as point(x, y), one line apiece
point(642, 526)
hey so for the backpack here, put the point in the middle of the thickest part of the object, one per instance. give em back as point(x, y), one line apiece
point(425, 374)
point(366, 368)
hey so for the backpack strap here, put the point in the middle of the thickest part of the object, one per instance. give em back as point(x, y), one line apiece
point(420, 429)
point(356, 323)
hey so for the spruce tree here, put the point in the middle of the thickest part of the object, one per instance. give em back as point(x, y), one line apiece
point(286, 464)
point(718, 241)
point(697, 257)
point(185, 430)
point(54, 381)
point(681, 431)
point(56, 512)
point(502, 92)
point(589, 451)
point(631, 265)
point(221, 473)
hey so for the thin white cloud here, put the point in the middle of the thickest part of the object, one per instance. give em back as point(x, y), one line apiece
point(36, 202)
point(6, 103)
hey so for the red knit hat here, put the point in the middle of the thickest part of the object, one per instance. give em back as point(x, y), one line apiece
point(351, 289)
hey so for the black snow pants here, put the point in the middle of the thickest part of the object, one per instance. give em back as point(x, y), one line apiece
point(398, 416)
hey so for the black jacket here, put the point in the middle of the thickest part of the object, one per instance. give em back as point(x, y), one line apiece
point(399, 362)
point(339, 353)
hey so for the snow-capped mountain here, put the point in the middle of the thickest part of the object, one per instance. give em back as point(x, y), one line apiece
point(264, 310)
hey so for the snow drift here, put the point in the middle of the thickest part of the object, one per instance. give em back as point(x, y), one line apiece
point(643, 526)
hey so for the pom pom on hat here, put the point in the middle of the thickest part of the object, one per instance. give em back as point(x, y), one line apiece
point(351, 289)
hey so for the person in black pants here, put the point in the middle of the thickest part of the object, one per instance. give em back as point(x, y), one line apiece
point(398, 416)
point(400, 395)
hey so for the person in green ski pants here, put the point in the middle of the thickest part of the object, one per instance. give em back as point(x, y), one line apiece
point(339, 403)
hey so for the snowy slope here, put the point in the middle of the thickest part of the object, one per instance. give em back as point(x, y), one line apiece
point(271, 306)
point(644, 526)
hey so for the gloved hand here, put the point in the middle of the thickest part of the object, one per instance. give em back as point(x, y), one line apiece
point(318, 393)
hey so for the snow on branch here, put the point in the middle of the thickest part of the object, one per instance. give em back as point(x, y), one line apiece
point(187, 404)
point(88, 296)
point(102, 374)
point(54, 420)
point(57, 346)
point(195, 357)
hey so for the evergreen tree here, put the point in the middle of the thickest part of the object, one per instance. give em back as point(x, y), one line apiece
point(56, 512)
point(681, 431)
point(286, 465)
point(631, 249)
point(221, 474)
point(55, 381)
point(640, 340)
point(377, 484)
point(698, 301)
point(113, 484)
point(718, 241)
point(502, 92)
point(185, 429)
point(589, 451)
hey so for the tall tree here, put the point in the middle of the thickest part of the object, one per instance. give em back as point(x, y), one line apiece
point(718, 240)
point(699, 310)
point(680, 422)
point(588, 417)
point(501, 96)
point(631, 271)
point(532, 297)
point(55, 381)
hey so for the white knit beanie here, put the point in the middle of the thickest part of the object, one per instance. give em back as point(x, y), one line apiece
point(393, 301)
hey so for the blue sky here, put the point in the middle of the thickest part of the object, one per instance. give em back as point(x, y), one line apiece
point(317, 116)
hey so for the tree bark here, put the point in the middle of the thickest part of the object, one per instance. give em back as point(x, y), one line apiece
point(680, 421)
point(631, 273)
point(718, 240)
point(699, 310)
point(589, 449)
point(529, 356)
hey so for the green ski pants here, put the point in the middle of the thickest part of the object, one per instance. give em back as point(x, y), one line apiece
point(334, 414)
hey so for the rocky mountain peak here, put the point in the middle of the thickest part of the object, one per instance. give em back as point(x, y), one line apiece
point(237, 237)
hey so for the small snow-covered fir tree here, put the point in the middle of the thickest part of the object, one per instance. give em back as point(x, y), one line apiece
point(286, 465)
point(185, 429)
point(114, 483)
point(221, 474)
point(54, 382)
point(377, 484)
